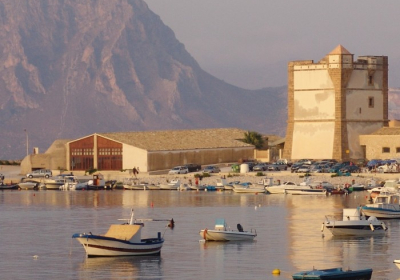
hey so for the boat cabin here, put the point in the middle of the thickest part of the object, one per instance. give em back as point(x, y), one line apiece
point(352, 214)
point(387, 199)
point(220, 224)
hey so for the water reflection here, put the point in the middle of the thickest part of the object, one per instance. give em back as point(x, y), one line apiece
point(123, 267)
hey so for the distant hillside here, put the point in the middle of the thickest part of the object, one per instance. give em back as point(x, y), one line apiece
point(71, 68)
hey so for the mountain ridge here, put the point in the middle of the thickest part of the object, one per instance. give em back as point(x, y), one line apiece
point(72, 68)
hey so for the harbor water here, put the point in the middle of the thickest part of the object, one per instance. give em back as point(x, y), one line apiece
point(36, 229)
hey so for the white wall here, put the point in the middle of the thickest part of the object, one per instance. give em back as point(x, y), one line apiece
point(134, 157)
point(314, 105)
point(312, 79)
point(313, 140)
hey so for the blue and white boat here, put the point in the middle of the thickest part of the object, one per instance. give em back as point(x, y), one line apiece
point(386, 204)
point(222, 233)
point(120, 240)
point(334, 274)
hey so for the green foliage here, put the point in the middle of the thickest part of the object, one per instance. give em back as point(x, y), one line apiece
point(8, 162)
point(259, 174)
point(91, 171)
point(254, 138)
point(334, 175)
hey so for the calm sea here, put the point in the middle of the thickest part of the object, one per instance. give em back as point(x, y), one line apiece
point(41, 223)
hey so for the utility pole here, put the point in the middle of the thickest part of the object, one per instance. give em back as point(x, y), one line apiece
point(27, 142)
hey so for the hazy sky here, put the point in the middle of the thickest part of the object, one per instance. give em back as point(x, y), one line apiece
point(248, 43)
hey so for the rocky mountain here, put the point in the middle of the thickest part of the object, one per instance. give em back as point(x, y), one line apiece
point(75, 67)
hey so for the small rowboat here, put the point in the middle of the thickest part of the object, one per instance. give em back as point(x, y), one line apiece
point(333, 274)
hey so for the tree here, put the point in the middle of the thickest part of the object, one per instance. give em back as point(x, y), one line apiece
point(254, 138)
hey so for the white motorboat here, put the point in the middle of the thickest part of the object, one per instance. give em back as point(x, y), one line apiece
point(121, 240)
point(221, 233)
point(172, 185)
point(28, 185)
point(280, 189)
point(184, 187)
point(97, 183)
point(70, 181)
point(248, 188)
point(197, 187)
point(54, 183)
point(306, 190)
point(354, 223)
point(385, 206)
point(133, 184)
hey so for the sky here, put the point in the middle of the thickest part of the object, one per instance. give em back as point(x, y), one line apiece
point(248, 43)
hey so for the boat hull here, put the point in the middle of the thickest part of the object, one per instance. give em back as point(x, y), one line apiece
point(356, 228)
point(248, 190)
point(218, 235)
point(334, 274)
point(102, 246)
point(381, 212)
point(275, 190)
point(306, 191)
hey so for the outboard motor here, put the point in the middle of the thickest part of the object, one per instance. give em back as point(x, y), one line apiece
point(239, 227)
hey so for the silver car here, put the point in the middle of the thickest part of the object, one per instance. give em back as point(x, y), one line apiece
point(179, 170)
point(46, 173)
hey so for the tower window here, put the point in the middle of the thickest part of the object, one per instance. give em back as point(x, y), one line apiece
point(370, 102)
point(370, 80)
point(385, 150)
point(397, 149)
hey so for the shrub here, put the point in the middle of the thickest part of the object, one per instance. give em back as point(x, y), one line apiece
point(259, 174)
point(91, 171)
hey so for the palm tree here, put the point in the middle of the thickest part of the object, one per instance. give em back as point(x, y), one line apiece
point(254, 138)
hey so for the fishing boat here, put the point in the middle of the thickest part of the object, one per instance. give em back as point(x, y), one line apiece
point(333, 274)
point(28, 185)
point(222, 233)
point(305, 191)
point(248, 188)
point(121, 240)
point(354, 223)
point(172, 185)
point(133, 184)
point(4, 187)
point(385, 206)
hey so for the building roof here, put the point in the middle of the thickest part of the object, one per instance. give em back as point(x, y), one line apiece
point(339, 50)
point(387, 131)
point(166, 140)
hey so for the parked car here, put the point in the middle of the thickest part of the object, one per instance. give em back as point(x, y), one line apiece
point(336, 168)
point(46, 173)
point(193, 167)
point(179, 170)
point(211, 169)
point(305, 168)
point(260, 167)
point(277, 167)
point(350, 169)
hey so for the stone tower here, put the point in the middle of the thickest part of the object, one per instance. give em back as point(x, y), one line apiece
point(332, 102)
